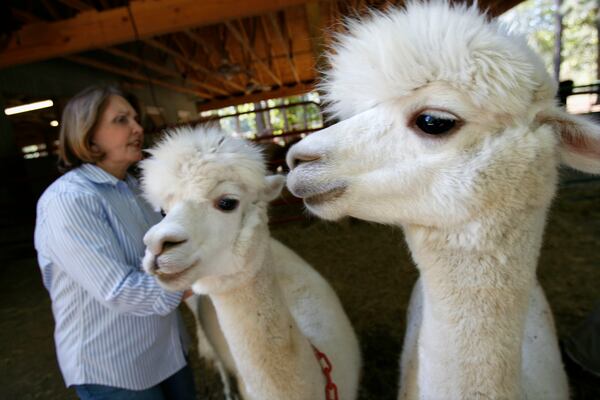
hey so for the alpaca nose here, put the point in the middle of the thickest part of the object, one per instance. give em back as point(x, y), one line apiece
point(295, 158)
point(170, 244)
point(159, 240)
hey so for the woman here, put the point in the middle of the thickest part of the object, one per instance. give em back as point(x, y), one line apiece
point(118, 334)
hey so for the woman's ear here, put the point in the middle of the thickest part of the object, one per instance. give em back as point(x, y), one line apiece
point(579, 139)
point(273, 186)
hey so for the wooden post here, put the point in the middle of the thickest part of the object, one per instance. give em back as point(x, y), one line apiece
point(558, 29)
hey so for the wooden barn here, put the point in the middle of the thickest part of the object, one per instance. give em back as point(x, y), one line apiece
point(250, 67)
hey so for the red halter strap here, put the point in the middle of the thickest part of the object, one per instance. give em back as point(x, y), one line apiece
point(331, 392)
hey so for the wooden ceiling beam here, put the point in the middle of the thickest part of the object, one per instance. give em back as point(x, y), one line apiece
point(285, 45)
point(162, 70)
point(166, 49)
point(206, 49)
point(134, 75)
point(255, 97)
point(105, 5)
point(238, 36)
point(94, 29)
point(51, 8)
point(198, 39)
point(251, 78)
point(24, 16)
point(269, 46)
point(315, 31)
point(190, 73)
point(77, 5)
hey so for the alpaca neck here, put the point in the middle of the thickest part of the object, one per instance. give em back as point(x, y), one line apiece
point(273, 358)
point(476, 284)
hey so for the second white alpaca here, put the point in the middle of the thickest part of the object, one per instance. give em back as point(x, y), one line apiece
point(270, 314)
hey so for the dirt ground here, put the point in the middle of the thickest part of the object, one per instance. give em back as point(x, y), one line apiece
point(370, 269)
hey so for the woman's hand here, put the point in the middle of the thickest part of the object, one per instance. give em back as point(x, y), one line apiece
point(186, 294)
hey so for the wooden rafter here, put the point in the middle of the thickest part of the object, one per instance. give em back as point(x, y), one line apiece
point(269, 46)
point(162, 70)
point(226, 63)
point(196, 38)
point(256, 97)
point(164, 48)
point(50, 7)
point(259, 77)
point(315, 34)
point(77, 5)
point(181, 66)
point(190, 74)
point(285, 44)
point(182, 47)
point(134, 75)
point(105, 5)
point(94, 29)
point(238, 36)
point(25, 16)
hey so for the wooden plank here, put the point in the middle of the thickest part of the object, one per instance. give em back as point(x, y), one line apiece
point(315, 31)
point(253, 98)
point(96, 29)
point(104, 4)
point(24, 16)
point(269, 47)
point(134, 75)
point(164, 48)
point(77, 5)
point(253, 78)
point(251, 51)
point(50, 7)
point(285, 44)
point(163, 70)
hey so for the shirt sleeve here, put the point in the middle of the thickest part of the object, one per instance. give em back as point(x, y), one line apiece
point(81, 242)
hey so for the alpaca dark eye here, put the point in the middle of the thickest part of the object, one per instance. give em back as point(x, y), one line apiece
point(227, 204)
point(435, 123)
point(163, 213)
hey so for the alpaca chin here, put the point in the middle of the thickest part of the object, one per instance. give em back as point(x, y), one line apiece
point(329, 210)
point(176, 283)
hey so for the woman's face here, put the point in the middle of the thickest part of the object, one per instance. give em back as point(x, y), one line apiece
point(119, 136)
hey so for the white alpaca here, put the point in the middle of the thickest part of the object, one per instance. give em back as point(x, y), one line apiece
point(267, 306)
point(450, 130)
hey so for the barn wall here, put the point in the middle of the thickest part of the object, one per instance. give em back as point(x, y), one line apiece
point(60, 78)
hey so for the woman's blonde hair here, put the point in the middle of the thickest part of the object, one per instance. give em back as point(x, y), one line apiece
point(79, 120)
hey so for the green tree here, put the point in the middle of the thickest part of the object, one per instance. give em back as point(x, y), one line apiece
point(535, 19)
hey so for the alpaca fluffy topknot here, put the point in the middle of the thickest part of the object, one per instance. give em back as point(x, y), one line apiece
point(189, 162)
point(395, 52)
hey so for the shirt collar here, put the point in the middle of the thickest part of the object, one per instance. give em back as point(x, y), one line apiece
point(97, 174)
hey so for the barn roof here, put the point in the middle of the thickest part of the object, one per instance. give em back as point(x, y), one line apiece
point(223, 52)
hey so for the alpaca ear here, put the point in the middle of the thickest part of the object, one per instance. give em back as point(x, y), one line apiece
point(273, 187)
point(579, 139)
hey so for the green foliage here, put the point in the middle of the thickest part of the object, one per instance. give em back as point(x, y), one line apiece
point(535, 19)
point(248, 124)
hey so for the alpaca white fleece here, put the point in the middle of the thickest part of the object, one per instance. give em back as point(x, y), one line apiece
point(262, 307)
point(389, 55)
point(472, 200)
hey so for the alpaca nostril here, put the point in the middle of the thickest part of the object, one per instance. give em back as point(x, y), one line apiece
point(298, 159)
point(169, 244)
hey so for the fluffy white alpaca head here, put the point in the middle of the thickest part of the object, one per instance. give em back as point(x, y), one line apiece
point(445, 116)
point(204, 181)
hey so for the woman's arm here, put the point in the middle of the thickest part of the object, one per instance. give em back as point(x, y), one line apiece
point(78, 238)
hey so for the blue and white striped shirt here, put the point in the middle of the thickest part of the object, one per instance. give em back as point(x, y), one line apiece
point(115, 325)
